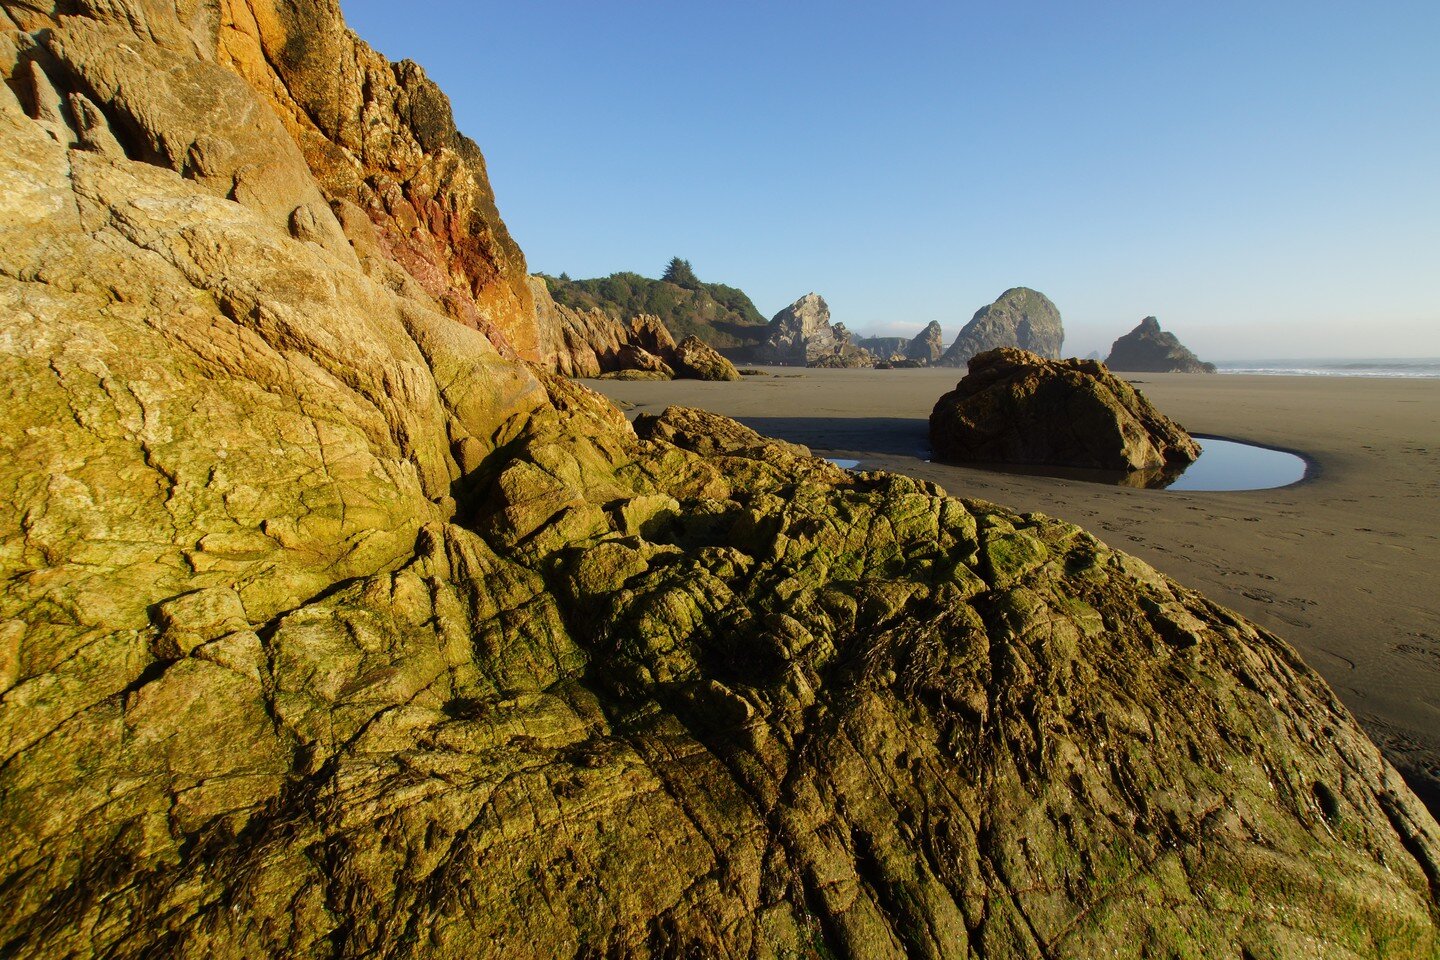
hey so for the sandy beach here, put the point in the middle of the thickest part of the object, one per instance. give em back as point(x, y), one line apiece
point(1343, 565)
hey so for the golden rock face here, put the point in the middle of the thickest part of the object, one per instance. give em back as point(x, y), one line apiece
point(328, 629)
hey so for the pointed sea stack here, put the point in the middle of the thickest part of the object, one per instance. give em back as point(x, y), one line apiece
point(928, 345)
point(801, 332)
point(1148, 349)
point(1021, 318)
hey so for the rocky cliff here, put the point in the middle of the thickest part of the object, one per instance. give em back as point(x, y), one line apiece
point(720, 315)
point(884, 348)
point(587, 343)
point(801, 332)
point(1148, 349)
point(1021, 318)
point(328, 630)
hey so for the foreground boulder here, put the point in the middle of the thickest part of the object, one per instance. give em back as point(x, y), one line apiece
point(697, 360)
point(1016, 407)
point(1148, 349)
point(1020, 318)
point(328, 631)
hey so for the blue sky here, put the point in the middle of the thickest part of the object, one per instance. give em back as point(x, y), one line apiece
point(1263, 177)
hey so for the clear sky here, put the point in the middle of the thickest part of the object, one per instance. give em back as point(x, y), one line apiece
point(1264, 177)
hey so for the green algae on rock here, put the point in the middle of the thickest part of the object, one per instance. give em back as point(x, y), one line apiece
point(327, 631)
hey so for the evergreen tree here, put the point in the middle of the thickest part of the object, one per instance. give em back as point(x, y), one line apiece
point(680, 273)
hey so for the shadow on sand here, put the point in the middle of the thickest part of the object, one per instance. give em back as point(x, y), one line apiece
point(896, 436)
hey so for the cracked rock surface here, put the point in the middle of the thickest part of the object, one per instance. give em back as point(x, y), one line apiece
point(328, 630)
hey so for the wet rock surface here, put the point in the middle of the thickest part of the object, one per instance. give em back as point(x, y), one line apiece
point(328, 630)
point(1016, 407)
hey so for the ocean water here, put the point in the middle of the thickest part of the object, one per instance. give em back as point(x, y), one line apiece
point(1409, 368)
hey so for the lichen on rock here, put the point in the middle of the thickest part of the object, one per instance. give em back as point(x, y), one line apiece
point(327, 630)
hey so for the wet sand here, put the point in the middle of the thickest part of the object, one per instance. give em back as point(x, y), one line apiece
point(1344, 565)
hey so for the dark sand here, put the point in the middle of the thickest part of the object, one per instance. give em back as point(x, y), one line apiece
point(1344, 565)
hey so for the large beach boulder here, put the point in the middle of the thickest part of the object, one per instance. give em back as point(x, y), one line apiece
point(1016, 407)
point(631, 357)
point(1148, 349)
point(326, 630)
point(1020, 317)
point(697, 360)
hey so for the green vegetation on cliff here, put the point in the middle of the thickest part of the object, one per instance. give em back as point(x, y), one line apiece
point(720, 315)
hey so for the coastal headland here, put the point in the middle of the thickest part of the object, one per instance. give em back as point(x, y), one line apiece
point(1341, 565)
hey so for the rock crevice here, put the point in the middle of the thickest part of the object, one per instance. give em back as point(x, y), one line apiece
point(327, 628)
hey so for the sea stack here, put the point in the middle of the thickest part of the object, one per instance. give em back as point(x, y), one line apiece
point(1148, 349)
point(800, 333)
point(928, 345)
point(1017, 407)
point(1021, 318)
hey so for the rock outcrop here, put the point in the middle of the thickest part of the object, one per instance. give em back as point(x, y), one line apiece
point(1021, 318)
point(884, 348)
point(378, 137)
point(801, 333)
point(928, 345)
point(328, 630)
point(720, 315)
point(1016, 407)
point(587, 343)
point(1148, 349)
point(697, 360)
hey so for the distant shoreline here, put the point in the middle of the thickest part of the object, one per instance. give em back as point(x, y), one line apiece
point(1421, 368)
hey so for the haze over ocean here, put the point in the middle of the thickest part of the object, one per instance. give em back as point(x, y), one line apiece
point(1259, 177)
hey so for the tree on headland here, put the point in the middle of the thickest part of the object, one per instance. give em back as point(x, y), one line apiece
point(680, 273)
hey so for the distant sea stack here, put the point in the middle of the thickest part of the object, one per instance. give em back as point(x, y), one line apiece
point(1020, 318)
point(885, 348)
point(928, 345)
point(1148, 349)
point(801, 333)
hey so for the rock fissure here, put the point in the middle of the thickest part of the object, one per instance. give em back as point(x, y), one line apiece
point(686, 690)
